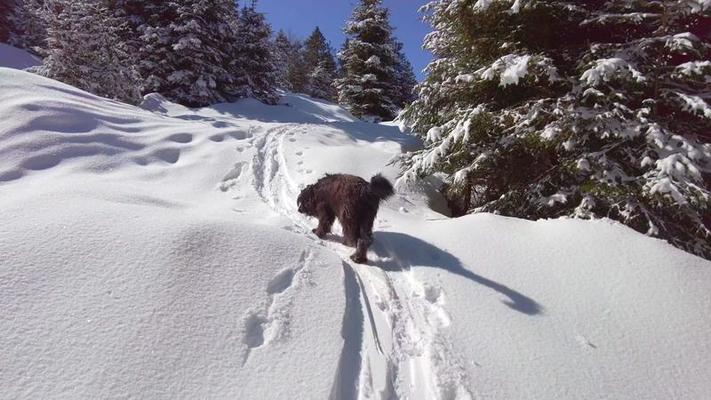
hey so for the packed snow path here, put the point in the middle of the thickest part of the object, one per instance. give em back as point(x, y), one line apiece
point(393, 345)
point(156, 252)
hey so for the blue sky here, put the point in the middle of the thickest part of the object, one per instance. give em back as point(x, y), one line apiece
point(301, 16)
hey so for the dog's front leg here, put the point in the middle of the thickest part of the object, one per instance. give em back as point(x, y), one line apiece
point(325, 220)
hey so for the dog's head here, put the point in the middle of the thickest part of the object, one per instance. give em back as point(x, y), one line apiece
point(306, 202)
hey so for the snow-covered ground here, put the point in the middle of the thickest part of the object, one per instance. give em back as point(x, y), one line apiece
point(11, 57)
point(156, 252)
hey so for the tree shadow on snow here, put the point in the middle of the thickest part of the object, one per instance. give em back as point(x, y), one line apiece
point(398, 251)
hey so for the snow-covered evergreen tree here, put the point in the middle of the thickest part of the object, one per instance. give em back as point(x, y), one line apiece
point(187, 51)
point(298, 69)
point(84, 50)
point(321, 82)
point(405, 80)
point(7, 10)
point(133, 14)
point(368, 63)
point(321, 65)
point(590, 109)
point(23, 23)
point(282, 50)
point(257, 73)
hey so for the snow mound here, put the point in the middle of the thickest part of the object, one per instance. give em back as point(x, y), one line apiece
point(48, 123)
point(12, 57)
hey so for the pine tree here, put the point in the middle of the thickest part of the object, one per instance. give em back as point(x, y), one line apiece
point(7, 10)
point(187, 51)
point(134, 14)
point(611, 121)
point(83, 50)
point(298, 69)
point(321, 66)
point(405, 80)
point(321, 82)
point(282, 50)
point(24, 24)
point(254, 58)
point(369, 62)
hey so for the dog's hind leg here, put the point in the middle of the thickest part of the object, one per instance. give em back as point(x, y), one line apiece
point(325, 220)
point(350, 231)
point(364, 241)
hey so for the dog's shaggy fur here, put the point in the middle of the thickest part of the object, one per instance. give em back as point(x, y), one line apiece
point(352, 200)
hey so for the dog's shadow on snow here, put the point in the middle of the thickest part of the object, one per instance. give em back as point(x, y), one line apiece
point(398, 251)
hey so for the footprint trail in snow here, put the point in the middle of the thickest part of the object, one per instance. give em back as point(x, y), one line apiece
point(272, 322)
point(394, 328)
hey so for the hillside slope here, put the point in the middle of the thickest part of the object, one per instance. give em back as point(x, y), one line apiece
point(156, 252)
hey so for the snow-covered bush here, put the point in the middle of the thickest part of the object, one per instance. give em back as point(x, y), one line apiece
point(590, 109)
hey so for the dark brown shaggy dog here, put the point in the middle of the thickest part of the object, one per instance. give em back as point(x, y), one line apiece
point(352, 200)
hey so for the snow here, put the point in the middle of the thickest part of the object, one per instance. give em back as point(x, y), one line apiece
point(156, 252)
point(699, 5)
point(609, 68)
point(667, 186)
point(510, 68)
point(515, 71)
point(516, 7)
point(467, 78)
point(550, 131)
point(550, 201)
point(12, 57)
point(693, 67)
point(695, 104)
point(482, 5)
point(583, 164)
point(682, 42)
point(373, 61)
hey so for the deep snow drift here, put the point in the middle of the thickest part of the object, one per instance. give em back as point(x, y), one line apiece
point(156, 252)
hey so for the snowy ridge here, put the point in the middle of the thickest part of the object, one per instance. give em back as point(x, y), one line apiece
point(197, 278)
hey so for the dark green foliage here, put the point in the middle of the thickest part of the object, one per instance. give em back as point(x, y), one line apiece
point(187, 50)
point(254, 63)
point(587, 109)
point(405, 80)
point(368, 63)
point(321, 66)
point(284, 50)
point(23, 24)
point(7, 10)
point(83, 49)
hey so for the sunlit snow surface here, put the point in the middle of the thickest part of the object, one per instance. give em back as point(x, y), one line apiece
point(157, 253)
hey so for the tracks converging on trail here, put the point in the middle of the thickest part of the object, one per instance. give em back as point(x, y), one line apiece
point(396, 344)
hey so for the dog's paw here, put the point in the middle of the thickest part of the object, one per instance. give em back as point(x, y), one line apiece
point(318, 233)
point(359, 259)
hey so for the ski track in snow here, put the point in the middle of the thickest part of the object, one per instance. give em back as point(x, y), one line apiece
point(394, 327)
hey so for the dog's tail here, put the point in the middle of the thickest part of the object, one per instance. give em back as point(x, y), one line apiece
point(381, 187)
